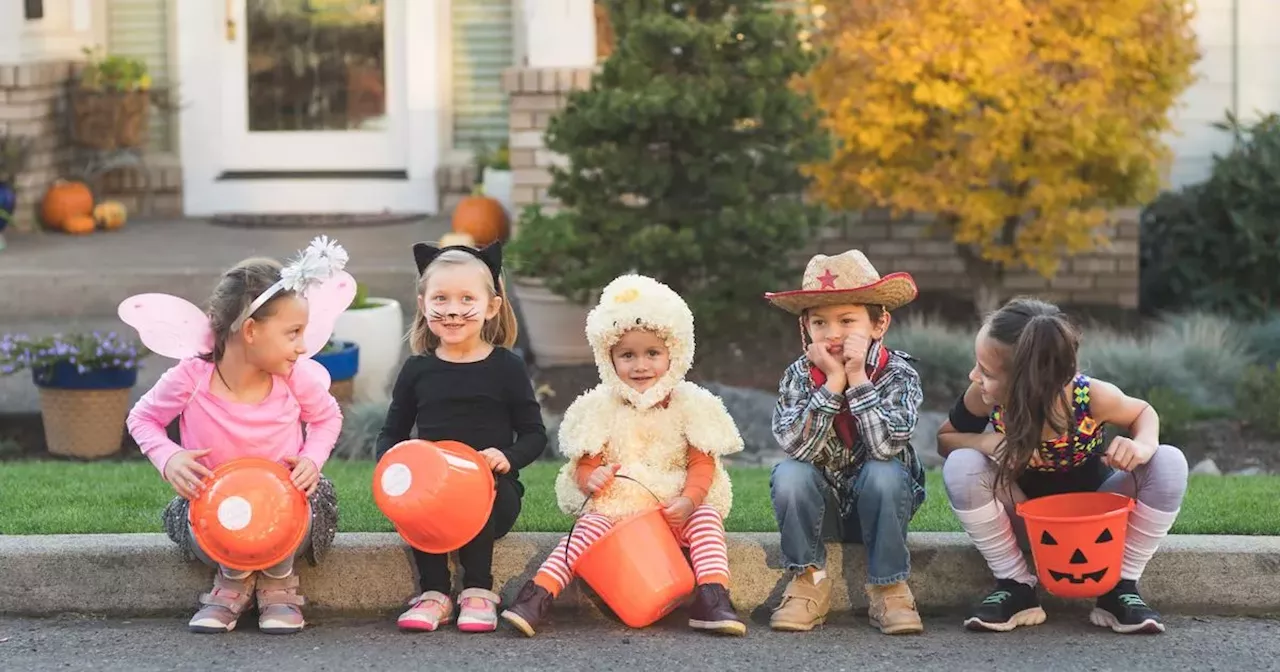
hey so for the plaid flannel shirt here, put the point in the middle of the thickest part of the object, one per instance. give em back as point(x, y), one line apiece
point(885, 414)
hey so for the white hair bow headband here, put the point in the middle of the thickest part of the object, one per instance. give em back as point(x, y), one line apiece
point(322, 259)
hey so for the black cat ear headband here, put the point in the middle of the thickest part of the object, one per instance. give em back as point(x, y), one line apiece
point(491, 255)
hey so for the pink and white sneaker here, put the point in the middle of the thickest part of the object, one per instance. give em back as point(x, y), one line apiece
point(427, 612)
point(478, 610)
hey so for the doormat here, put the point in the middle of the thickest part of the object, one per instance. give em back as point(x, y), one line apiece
point(309, 220)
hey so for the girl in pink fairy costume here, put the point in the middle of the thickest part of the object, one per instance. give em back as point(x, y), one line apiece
point(245, 385)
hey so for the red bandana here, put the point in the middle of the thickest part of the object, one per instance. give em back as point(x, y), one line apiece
point(844, 425)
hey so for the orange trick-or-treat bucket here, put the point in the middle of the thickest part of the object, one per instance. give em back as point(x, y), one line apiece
point(1077, 540)
point(637, 568)
point(437, 494)
point(250, 516)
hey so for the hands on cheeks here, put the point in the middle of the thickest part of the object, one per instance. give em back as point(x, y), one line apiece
point(677, 511)
point(1126, 454)
point(186, 474)
point(498, 462)
point(304, 473)
point(855, 357)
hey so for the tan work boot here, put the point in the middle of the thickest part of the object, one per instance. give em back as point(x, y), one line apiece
point(804, 605)
point(893, 609)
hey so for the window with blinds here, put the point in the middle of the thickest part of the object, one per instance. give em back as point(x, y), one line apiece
point(483, 46)
point(140, 28)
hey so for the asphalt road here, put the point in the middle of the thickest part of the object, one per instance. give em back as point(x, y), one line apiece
point(1067, 643)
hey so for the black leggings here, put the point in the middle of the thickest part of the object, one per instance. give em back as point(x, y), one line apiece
point(476, 557)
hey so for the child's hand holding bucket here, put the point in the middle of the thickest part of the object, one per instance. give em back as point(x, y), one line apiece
point(498, 463)
point(601, 478)
point(677, 511)
point(186, 474)
point(304, 474)
point(1126, 454)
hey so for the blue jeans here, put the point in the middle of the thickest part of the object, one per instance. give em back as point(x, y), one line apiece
point(884, 498)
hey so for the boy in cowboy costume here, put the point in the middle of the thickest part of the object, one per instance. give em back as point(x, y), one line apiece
point(845, 414)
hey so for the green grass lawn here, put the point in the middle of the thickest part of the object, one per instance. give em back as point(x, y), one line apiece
point(68, 497)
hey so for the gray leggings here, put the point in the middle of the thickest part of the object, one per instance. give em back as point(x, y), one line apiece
point(282, 569)
point(969, 476)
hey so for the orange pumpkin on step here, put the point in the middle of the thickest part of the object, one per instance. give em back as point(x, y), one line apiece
point(79, 224)
point(481, 217)
point(64, 200)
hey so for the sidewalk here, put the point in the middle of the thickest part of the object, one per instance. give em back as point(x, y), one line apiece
point(141, 574)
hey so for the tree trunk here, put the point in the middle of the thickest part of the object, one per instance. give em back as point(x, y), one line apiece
point(986, 278)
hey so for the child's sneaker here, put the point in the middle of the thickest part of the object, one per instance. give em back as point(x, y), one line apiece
point(223, 604)
point(531, 607)
point(1010, 605)
point(1124, 611)
point(712, 610)
point(427, 612)
point(279, 605)
point(477, 610)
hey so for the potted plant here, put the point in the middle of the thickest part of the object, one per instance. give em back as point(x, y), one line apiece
point(111, 103)
point(493, 170)
point(342, 360)
point(15, 152)
point(84, 382)
point(553, 323)
point(376, 326)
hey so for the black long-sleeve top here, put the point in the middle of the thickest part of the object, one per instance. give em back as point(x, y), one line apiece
point(484, 404)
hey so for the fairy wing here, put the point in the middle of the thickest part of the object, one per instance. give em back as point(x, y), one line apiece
point(325, 302)
point(168, 326)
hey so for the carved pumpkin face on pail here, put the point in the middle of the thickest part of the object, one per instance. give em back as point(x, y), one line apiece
point(1073, 565)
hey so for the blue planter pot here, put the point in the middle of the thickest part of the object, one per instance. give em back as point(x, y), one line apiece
point(64, 376)
point(8, 203)
point(342, 363)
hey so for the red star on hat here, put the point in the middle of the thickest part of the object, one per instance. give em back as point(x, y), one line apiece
point(828, 279)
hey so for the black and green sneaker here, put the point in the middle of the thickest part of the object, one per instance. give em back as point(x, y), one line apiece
point(1124, 611)
point(1010, 605)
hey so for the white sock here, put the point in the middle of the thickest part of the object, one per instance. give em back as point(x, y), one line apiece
point(819, 575)
point(992, 532)
point(1147, 527)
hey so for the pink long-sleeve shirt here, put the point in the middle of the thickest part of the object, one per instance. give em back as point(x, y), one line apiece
point(271, 428)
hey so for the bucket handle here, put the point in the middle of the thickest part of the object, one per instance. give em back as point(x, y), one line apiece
point(578, 515)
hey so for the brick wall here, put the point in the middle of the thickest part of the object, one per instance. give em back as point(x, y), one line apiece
point(32, 101)
point(1105, 277)
point(164, 199)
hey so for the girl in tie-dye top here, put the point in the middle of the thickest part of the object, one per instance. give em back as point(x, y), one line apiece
point(1049, 421)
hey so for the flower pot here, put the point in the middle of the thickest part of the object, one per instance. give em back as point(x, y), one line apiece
point(556, 327)
point(107, 120)
point(342, 364)
point(378, 331)
point(498, 185)
point(8, 205)
point(83, 413)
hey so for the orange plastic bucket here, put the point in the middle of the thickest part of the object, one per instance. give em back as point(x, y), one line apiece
point(250, 516)
point(437, 494)
point(1077, 540)
point(638, 569)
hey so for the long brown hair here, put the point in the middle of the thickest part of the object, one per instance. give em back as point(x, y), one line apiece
point(500, 331)
point(1041, 359)
point(238, 288)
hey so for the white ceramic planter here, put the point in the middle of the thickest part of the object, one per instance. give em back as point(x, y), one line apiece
point(556, 326)
point(498, 185)
point(379, 331)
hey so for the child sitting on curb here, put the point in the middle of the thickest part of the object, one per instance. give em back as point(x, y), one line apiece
point(845, 415)
point(644, 422)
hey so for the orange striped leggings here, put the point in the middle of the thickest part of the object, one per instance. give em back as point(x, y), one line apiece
point(702, 534)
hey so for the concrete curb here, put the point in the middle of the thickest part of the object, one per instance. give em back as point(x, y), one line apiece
point(142, 574)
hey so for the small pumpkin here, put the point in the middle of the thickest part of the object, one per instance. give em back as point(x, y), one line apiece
point(110, 215)
point(481, 217)
point(79, 224)
point(65, 199)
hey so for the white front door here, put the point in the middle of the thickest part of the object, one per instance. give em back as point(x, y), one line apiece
point(314, 86)
point(309, 106)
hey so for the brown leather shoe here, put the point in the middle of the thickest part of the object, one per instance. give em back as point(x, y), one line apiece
point(893, 609)
point(804, 605)
point(530, 608)
point(712, 611)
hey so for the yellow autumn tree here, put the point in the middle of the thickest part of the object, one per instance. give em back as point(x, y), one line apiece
point(1018, 123)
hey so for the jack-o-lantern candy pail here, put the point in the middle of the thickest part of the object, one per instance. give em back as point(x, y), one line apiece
point(1077, 541)
point(250, 516)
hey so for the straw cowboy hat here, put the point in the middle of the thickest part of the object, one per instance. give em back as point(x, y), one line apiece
point(847, 277)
